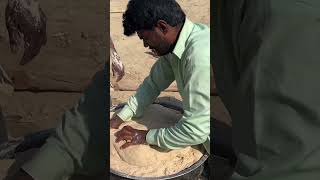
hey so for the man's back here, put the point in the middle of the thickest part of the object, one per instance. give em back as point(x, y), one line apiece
point(266, 56)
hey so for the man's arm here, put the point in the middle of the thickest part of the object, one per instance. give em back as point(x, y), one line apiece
point(79, 141)
point(160, 77)
point(194, 126)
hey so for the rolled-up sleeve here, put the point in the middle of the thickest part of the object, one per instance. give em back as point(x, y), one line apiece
point(161, 76)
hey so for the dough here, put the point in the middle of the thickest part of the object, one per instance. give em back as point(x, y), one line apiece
point(152, 161)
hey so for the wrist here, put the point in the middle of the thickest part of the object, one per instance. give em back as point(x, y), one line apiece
point(125, 113)
point(144, 132)
point(118, 118)
point(152, 137)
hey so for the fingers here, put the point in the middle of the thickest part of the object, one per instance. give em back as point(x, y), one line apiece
point(127, 144)
point(132, 135)
point(128, 128)
point(125, 133)
point(123, 138)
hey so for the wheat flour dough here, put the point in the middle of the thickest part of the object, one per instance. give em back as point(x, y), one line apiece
point(151, 161)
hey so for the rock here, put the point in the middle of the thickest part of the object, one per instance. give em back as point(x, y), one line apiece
point(67, 62)
point(26, 25)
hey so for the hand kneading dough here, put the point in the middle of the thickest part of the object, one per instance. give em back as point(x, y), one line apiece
point(151, 161)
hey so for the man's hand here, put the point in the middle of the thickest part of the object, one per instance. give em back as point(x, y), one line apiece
point(131, 136)
point(115, 122)
point(20, 175)
point(25, 19)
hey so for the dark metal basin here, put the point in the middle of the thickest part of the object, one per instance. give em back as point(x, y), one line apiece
point(184, 173)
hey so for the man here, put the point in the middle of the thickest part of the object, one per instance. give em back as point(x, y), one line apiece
point(184, 48)
point(266, 62)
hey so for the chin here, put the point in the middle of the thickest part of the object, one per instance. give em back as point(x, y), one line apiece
point(162, 53)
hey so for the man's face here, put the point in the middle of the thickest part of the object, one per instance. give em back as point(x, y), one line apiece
point(155, 40)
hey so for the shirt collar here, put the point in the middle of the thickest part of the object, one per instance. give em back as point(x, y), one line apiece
point(184, 35)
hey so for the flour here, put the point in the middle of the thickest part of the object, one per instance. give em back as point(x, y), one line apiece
point(151, 161)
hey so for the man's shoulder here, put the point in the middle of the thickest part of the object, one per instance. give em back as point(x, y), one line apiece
point(200, 32)
point(198, 43)
point(199, 38)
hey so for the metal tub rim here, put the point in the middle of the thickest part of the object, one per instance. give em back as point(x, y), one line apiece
point(176, 175)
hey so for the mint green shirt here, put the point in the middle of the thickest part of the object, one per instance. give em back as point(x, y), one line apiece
point(189, 65)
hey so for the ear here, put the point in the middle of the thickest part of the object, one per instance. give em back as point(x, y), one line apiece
point(163, 26)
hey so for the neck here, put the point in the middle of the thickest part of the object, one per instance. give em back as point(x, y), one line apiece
point(176, 34)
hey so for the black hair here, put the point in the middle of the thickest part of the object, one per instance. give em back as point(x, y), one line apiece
point(144, 14)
